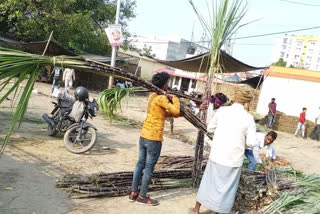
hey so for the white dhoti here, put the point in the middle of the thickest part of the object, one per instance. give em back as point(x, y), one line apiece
point(218, 187)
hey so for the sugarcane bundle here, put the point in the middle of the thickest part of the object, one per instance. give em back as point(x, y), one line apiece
point(175, 162)
point(254, 192)
point(119, 183)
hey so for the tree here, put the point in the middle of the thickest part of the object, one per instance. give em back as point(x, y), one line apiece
point(78, 25)
point(145, 51)
point(280, 63)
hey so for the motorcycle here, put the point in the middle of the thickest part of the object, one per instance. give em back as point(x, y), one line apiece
point(80, 136)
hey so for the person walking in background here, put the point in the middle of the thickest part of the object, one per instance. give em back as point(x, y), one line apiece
point(57, 71)
point(68, 78)
point(263, 140)
point(301, 123)
point(272, 113)
point(151, 137)
point(234, 129)
point(315, 134)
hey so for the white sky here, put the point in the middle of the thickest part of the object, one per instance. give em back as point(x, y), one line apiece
point(176, 17)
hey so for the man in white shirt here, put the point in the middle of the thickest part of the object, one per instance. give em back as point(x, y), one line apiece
point(262, 140)
point(234, 129)
point(68, 78)
point(315, 134)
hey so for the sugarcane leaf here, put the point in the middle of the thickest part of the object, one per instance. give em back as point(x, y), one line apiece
point(20, 79)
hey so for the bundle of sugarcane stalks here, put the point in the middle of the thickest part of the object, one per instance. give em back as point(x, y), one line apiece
point(175, 162)
point(255, 193)
point(119, 183)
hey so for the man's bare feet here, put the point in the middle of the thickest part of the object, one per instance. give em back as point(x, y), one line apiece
point(193, 211)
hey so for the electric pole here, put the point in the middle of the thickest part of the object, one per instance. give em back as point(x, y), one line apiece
point(114, 48)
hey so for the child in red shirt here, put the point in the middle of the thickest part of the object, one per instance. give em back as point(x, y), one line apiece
point(301, 123)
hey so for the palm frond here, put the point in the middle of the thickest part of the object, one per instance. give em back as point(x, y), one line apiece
point(110, 99)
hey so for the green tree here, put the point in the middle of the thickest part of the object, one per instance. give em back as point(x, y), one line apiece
point(78, 25)
point(280, 63)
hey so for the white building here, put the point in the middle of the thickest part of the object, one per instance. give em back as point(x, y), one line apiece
point(170, 49)
point(293, 89)
point(298, 51)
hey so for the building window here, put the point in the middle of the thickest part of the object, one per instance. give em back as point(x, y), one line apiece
point(194, 84)
point(318, 60)
point(285, 40)
point(296, 56)
point(177, 80)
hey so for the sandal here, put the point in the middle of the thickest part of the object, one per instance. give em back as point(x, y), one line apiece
point(133, 196)
point(147, 201)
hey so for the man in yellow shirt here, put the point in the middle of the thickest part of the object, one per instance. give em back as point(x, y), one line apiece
point(151, 137)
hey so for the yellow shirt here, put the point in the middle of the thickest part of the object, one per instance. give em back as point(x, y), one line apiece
point(158, 108)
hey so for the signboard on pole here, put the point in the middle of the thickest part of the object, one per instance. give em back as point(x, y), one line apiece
point(114, 33)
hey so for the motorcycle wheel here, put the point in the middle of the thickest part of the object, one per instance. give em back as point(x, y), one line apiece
point(51, 131)
point(87, 141)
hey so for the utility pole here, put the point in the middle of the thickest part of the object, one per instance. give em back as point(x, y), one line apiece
point(114, 48)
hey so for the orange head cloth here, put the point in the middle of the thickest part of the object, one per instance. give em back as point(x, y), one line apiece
point(243, 96)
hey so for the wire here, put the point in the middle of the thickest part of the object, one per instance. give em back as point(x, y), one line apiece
point(253, 44)
point(244, 37)
point(281, 32)
point(294, 2)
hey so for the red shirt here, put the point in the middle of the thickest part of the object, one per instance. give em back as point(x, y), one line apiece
point(302, 118)
point(273, 107)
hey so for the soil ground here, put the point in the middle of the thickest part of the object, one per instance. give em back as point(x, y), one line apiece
point(34, 160)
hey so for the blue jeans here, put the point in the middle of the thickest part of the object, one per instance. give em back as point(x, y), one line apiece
point(252, 161)
point(149, 152)
point(302, 129)
point(271, 120)
point(58, 81)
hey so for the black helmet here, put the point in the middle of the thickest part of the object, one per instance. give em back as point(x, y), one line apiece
point(81, 94)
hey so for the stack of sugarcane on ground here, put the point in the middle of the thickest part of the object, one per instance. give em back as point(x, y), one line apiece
point(288, 192)
point(255, 193)
point(119, 183)
point(171, 172)
point(288, 124)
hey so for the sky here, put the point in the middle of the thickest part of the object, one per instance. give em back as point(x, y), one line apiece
point(177, 18)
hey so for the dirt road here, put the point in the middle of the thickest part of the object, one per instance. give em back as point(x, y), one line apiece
point(31, 146)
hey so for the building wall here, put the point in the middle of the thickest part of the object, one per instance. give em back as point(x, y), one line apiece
point(291, 96)
point(148, 68)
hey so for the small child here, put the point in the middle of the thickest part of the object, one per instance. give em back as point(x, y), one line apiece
point(301, 122)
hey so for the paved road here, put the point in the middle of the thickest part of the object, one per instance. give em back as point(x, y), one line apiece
point(32, 191)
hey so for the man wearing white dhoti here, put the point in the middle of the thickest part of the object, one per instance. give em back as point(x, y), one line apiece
point(234, 130)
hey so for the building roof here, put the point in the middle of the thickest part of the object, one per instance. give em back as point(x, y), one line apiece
point(173, 73)
point(200, 64)
point(293, 73)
